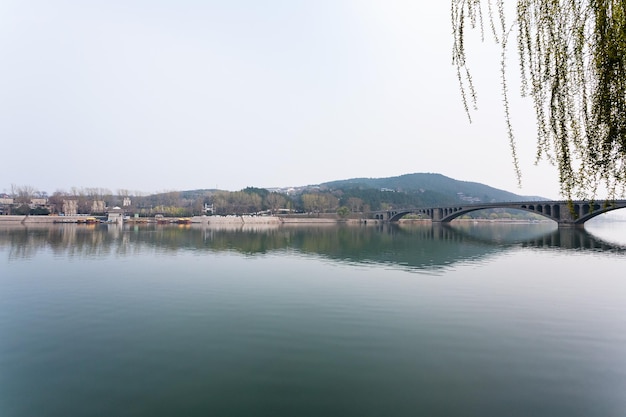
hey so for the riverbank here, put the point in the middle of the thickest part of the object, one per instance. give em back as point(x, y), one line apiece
point(199, 220)
point(235, 220)
point(13, 219)
point(276, 220)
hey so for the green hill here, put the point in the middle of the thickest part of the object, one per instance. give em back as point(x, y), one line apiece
point(435, 188)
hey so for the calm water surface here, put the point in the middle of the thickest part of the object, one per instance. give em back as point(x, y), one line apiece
point(468, 320)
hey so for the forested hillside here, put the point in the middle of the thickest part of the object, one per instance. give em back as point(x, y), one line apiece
point(437, 188)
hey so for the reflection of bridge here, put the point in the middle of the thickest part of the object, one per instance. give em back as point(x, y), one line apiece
point(565, 213)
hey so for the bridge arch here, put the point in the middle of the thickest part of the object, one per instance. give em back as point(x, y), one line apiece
point(446, 215)
point(572, 213)
point(397, 215)
point(529, 209)
point(587, 213)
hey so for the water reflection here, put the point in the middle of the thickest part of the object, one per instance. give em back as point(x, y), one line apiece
point(545, 236)
point(412, 247)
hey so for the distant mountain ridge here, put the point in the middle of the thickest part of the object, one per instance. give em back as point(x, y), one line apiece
point(448, 188)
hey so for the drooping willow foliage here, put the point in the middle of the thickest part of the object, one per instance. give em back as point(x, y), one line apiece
point(572, 56)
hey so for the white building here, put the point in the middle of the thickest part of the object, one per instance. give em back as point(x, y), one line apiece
point(116, 215)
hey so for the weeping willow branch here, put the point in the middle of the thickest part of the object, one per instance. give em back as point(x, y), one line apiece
point(572, 60)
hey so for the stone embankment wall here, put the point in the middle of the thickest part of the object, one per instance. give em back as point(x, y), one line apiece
point(310, 220)
point(271, 220)
point(235, 220)
point(39, 219)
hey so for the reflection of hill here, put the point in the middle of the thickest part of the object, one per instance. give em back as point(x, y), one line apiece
point(412, 247)
point(421, 247)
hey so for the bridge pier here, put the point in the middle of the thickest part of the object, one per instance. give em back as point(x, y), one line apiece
point(570, 225)
point(436, 215)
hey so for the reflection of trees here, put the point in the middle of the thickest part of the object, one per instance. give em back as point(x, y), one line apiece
point(413, 247)
point(62, 240)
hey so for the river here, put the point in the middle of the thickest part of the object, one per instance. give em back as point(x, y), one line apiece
point(472, 319)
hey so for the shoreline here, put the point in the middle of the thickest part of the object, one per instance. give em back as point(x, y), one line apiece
point(196, 220)
point(236, 220)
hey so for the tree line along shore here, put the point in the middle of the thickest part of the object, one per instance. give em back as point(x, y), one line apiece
point(308, 202)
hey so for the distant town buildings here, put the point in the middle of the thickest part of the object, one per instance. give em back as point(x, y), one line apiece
point(10, 205)
point(467, 198)
point(69, 206)
point(38, 202)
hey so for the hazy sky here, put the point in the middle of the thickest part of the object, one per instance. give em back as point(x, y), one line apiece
point(174, 95)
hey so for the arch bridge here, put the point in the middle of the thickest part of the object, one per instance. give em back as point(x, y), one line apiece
point(565, 213)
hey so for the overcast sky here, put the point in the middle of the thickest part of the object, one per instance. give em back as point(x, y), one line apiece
point(175, 95)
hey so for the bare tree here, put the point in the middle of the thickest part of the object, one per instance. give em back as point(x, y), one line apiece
point(355, 204)
point(275, 201)
point(22, 194)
